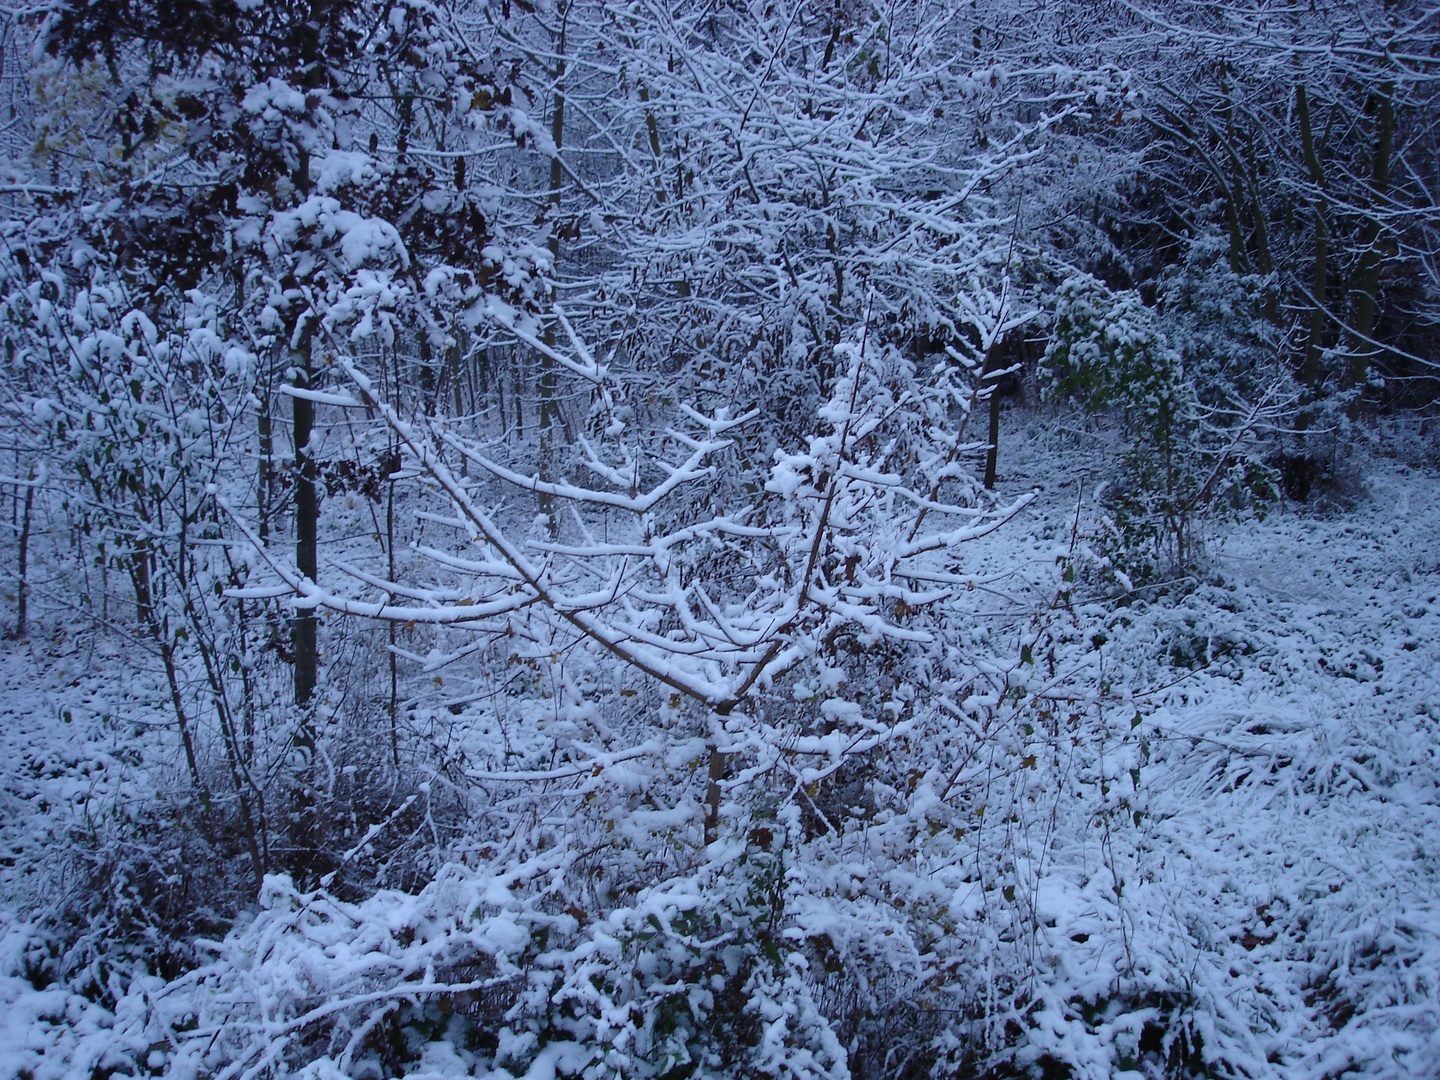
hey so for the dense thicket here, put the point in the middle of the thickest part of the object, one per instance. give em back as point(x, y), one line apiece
point(533, 449)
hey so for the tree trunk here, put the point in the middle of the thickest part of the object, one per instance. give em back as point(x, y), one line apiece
point(267, 468)
point(715, 773)
point(394, 669)
point(1367, 285)
point(712, 795)
point(307, 516)
point(22, 588)
point(547, 364)
point(988, 376)
point(1310, 373)
point(992, 450)
point(305, 628)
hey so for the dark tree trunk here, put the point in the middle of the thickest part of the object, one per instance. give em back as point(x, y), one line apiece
point(1310, 373)
point(1367, 276)
point(22, 589)
point(547, 363)
point(307, 516)
point(992, 450)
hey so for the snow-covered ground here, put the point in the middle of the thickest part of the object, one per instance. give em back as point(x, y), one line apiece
point(1297, 812)
point(1280, 865)
point(1290, 852)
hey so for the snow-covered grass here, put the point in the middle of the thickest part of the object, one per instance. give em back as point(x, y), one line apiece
point(1285, 861)
point(1207, 844)
point(1296, 791)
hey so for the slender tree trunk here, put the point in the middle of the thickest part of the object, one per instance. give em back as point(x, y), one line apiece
point(177, 701)
point(1239, 260)
point(1264, 261)
point(22, 589)
point(712, 795)
point(992, 449)
point(547, 365)
point(652, 128)
point(457, 397)
point(140, 569)
point(307, 512)
point(1362, 322)
point(715, 772)
point(305, 628)
point(394, 670)
point(267, 467)
point(307, 515)
point(517, 392)
point(1310, 372)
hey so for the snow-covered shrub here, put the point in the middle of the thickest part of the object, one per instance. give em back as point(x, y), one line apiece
point(706, 976)
point(723, 973)
point(1196, 383)
point(1109, 351)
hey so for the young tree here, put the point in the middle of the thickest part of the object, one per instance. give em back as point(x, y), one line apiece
point(825, 226)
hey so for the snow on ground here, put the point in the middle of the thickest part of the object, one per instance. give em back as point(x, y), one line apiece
point(1291, 850)
point(1288, 859)
point(72, 737)
point(1300, 799)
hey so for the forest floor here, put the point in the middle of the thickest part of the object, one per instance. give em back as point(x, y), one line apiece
point(1291, 851)
point(1288, 858)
